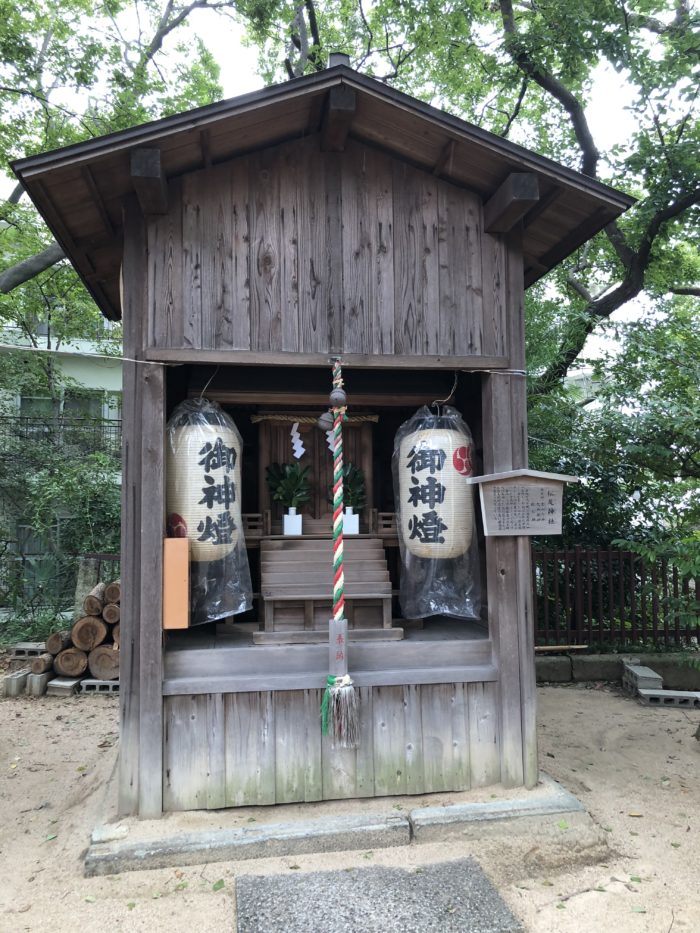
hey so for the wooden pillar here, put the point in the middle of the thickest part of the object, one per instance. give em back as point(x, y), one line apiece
point(504, 408)
point(143, 506)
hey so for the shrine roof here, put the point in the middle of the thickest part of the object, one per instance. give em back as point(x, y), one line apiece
point(80, 189)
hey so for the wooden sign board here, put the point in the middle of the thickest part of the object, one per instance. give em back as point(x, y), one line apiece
point(522, 502)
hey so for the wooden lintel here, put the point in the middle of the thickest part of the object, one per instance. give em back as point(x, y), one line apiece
point(337, 118)
point(511, 202)
point(350, 360)
point(149, 181)
point(444, 163)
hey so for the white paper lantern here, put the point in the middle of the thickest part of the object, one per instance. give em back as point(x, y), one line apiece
point(436, 508)
point(203, 484)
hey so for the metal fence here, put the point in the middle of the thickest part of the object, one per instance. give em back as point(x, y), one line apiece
point(82, 434)
point(605, 598)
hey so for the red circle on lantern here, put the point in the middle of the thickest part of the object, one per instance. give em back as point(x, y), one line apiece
point(462, 461)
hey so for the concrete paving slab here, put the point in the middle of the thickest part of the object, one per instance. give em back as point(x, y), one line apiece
point(450, 897)
point(330, 834)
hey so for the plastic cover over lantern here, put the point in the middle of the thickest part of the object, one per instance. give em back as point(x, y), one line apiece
point(203, 493)
point(435, 516)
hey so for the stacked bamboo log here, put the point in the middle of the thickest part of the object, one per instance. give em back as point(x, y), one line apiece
point(92, 643)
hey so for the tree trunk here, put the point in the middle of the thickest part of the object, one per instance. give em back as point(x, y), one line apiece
point(104, 662)
point(58, 642)
point(71, 663)
point(116, 635)
point(94, 601)
point(111, 613)
point(113, 592)
point(42, 664)
point(88, 633)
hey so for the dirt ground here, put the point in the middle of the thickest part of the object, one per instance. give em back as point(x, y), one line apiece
point(635, 769)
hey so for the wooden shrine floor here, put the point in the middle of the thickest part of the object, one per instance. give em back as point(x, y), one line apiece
point(228, 662)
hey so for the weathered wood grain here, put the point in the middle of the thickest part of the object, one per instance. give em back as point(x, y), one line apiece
point(240, 219)
point(380, 198)
point(484, 752)
point(300, 251)
point(152, 527)
point(333, 258)
point(291, 169)
point(389, 741)
point(437, 736)
point(217, 262)
point(314, 274)
point(265, 248)
point(357, 250)
point(413, 735)
point(460, 765)
point(409, 259)
point(192, 245)
point(165, 323)
point(133, 311)
point(268, 747)
point(216, 752)
point(250, 748)
point(494, 295)
point(185, 753)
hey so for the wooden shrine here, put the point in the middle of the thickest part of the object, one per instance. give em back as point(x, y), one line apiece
point(243, 245)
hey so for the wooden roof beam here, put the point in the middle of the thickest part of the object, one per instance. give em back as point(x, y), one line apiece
point(149, 181)
point(445, 160)
point(511, 202)
point(337, 118)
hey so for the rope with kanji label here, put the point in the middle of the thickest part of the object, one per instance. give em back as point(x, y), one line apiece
point(339, 709)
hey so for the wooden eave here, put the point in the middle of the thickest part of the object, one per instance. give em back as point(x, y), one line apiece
point(80, 189)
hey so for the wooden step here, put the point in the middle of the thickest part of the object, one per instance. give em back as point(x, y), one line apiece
point(323, 575)
point(319, 544)
point(318, 591)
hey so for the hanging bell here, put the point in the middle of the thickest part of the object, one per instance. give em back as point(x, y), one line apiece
point(338, 398)
point(325, 421)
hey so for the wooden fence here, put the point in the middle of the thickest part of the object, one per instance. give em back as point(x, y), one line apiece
point(609, 599)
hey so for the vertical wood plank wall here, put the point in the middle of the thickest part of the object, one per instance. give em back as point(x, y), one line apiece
point(244, 749)
point(293, 249)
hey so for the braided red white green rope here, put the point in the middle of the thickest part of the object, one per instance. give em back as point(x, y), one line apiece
point(338, 575)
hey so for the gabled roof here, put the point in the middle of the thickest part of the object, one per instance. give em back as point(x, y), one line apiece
point(79, 189)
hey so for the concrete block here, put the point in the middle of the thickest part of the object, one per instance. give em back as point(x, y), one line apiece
point(329, 834)
point(636, 677)
point(29, 649)
point(16, 683)
point(62, 686)
point(675, 669)
point(596, 667)
point(687, 699)
point(36, 684)
point(555, 670)
point(99, 686)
